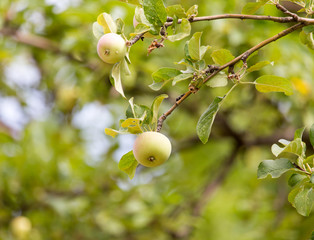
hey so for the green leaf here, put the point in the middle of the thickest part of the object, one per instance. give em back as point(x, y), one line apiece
point(106, 21)
point(192, 11)
point(140, 28)
point(120, 26)
point(311, 135)
point(258, 66)
point(299, 133)
point(252, 7)
point(176, 10)
point(98, 30)
point(116, 76)
point(162, 76)
point(139, 111)
point(155, 109)
point(181, 77)
point(182, 30)
point(196, 51)
point(274, 167)
point(308, 29)
point(194, 46)
point(222, 56)
point(155, 12)
point(296, 147)
point(269, 83)
point(295, 179)
point(312, 178)
point(220, 80)
point(307, 39)
point(206, 120)
point(128, 164)
point(302, 198)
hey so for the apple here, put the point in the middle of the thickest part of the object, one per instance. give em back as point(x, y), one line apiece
point(21, 227)
point(151, 149)
point(111, 48)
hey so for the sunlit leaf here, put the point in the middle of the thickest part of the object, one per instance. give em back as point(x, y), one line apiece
point(192, 11)
point(296, 147)
point(275, 168)
point(113, 133)
point(155, 12)
point(116, 76)
point(98, 30)
point(106, 21)
point(128, 164)
point(163, 76)
point(252, 7)
point(206, 120)
point(155, 109)
point(176, 10)
point(220, 80)
point(269, 83)
point(183, 30)
point(181, 77)
point(222, 56)
point(133, 125)
point(258, 66)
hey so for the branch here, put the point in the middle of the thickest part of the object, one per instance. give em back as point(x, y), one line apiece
point(286, 11)
point(135, 39)
point(242, 57)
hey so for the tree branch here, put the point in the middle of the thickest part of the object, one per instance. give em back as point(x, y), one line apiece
point(242, 57)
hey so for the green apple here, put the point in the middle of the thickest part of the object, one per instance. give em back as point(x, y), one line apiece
point(151, 149)
point(111, 48)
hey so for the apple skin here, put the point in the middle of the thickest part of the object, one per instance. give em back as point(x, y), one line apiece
point(111, 48)
point(151, 149)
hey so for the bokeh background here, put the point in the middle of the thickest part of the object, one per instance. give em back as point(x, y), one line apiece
point(60, 171)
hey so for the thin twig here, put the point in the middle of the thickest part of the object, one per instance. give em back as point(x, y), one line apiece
point(135, 39)
point(286, 11)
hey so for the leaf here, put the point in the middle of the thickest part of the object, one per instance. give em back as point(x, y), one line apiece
point(155, 12)
point(220, 80)
point(192, 11)
point(106, 21)
point(155, 108)
point(162, 76)
point(181, 77)
point(196, 51)
point(308, 29)
point(311, 135)
point(133, 125)
point(97, 30)
point(206, 120)
point(128, 164)
point(194, 46)
point(312, 178)
point(140, 28)
point(274, 167)
point(176, 10)
point(258, 66)
point(139, 111)
point(295, 179)
point(296, 147)
point(302, 198)
point(307, 39)
point(298, 133)
point(222, 56)
point(113, 133)
point(116, 76)
point(269, 83)
point(183, 30)
point(135, 2)
point(120, 26)
point(252, 7)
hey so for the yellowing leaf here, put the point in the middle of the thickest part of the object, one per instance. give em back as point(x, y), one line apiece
point(106, 21)
point(269, 83)
point(133, 125)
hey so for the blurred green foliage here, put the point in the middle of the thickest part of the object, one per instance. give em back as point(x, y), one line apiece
point(58, 169)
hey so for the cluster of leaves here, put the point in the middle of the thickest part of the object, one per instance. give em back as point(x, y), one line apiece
point(291, 156)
